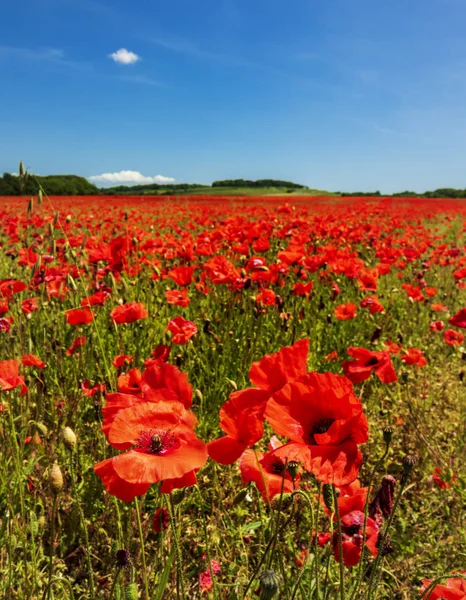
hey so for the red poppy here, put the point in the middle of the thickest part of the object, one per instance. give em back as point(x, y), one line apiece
point(9, 376)
point(392, 347)
point(324, 421)
point(437, 325)
point(182, 330)
point(365, 362)
point(9, 287)
point(332, 356)
point(459, 320)
point(3, 306)
point(187, 480)
point(158, 356)
point(352, 527)
point(178, 297)
point(128, 313)
point(182, 276)
point(121, 359)
point(352, 497)
point(453, 588)
point(130, 382)
point(161, 520)
point(453, 338)
point(99, 298)
point(268, 473)
point(273, 371)
point(373, 304)
point(31, 360)
point(168, 378)
point(29, 305)
point(302, 289)
point(159, 447)
point(266, 297)
point(414, 293)
point(91, 390)
point(5, 324)
point(241, 418)
point(79, 316)
point(344, 312)
point(414, 356)
point(77, 343)
point(440, 308)
point(441, 481)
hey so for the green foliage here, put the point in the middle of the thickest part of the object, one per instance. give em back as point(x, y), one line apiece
point(260, 183)
point(55, 185)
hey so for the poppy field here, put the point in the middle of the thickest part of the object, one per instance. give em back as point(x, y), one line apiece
point(232, 398)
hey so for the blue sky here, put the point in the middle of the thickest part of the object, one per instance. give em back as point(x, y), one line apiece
point(335, 94)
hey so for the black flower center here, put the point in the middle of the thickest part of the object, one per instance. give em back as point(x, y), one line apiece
point(371, 362)
point(158, 442)
point(320, 426)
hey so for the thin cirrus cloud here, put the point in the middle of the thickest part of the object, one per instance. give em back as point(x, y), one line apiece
point(124, 57)
point(129, 177)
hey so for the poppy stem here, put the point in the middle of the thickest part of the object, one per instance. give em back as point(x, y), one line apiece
point(179, 564)
point(378, 464)
point(143, 554)
point(340, 544)
point(278, 517)
point(52, 536)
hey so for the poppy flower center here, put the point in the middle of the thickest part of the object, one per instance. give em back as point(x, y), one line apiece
point(371, 362)
point(351, 530)
point(277, 468)
point(320, 426)
point(158, 442)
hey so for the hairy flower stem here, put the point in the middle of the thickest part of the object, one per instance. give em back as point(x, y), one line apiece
point(179, 563)
point(380, 554)
point(316, 542)
point(52, 536)
point(364, 531)
point(311, 527)
point(82, 519)
point(207, 546)
point(278, 518)
point(340, 545)
point(115, 580)
point(264, 555)
point(143, 554)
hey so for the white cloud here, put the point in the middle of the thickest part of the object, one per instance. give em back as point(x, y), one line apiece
point(124, 57)
point(131, 177)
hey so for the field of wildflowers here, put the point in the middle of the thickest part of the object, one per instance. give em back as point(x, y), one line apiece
point(232, 398)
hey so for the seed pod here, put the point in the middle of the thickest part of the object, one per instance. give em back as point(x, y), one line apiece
point(55, 479)
point(293, 467)
point(387, 435)
point(42, 428)
point(328, 496)
point(408, 464)
point(131, 592)
point(286, 501)
point(69, 438)
point(270, 583)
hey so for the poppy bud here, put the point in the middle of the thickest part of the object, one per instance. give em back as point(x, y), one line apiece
point(123, 558)
point(284, 504)
point(39, 197)
point(270, 582)
point(42, 428)
point(131, 592)
point(69, 438)
point(293, 467)
point(387, 435)
point(240, 496)
point(178, 495)
point(328, 496)
point(408, 464)
point(56, 479)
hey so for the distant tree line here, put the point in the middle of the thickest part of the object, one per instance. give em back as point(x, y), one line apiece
point(53, 185)
point(440, 193)
point(259, 183)
point(154, 189)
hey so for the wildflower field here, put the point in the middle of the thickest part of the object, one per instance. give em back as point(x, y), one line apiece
point(232, 398)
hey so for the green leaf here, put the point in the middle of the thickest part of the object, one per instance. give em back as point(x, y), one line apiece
point(251, 526)
point(164, 579)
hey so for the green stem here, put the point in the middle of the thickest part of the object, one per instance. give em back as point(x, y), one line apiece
point(179, 564)
point(143, 554)
point(207, 547)
point(364, 532)
point(278, 517)
point(52, 536)
point(115, 579)
point(90, 572)
point(383, 540)
point(340, 545)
